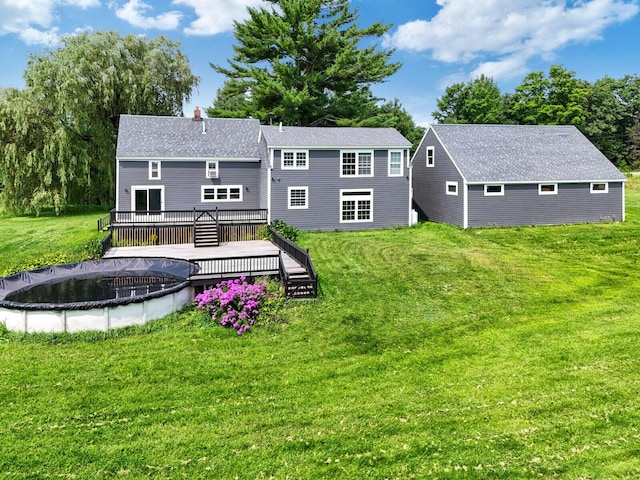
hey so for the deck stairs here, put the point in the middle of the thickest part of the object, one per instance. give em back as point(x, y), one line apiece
point(205, 234)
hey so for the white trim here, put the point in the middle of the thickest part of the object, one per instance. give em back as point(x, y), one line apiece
point(216, 188)
point(207, 169)
point(295, 153)
point(191, 159)
point(452, 184)
point(269, 181)
point(117, 184)
point(465, 202)
point(357, 166)
point(430, 149)
point(151, 169)
point(337, 147)
point(493, 194)
point(365, 194)
point(401, 152)
point(596, 192)
point(547, 192)
point(306, 198)
point(535, 182)
point(410, 168)
point(624, 212)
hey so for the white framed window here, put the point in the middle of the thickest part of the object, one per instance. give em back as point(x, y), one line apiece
point(395, 163)
point(295, 160)
point(147, 201)
point(431, 156)
point(547, 189)
point(298, 197)
point(356, 164)
point(494, 190)
point(356, 206)
point(212, 169)
point(452, 188)
point(221, 193)
point(599, 187)
point(155, 170)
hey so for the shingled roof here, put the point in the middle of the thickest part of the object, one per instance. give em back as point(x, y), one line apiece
point(333, 137)
point(145, 136)
point(524, 153)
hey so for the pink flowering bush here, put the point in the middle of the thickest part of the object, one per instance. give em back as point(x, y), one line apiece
point(235, 303)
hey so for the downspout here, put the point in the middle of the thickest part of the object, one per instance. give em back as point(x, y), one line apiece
point(623, 202)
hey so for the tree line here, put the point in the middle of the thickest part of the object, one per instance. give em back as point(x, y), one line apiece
point(299, 62)
point(607, 111)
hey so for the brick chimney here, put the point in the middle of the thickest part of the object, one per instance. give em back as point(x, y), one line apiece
point(196, 115)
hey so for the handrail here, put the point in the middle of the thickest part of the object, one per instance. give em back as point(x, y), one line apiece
point(297, 253)
point(106, 244)
point(104, 223)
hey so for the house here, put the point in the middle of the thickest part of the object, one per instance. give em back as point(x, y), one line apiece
point(333, 178)
point(312, 178)
point(502, 175)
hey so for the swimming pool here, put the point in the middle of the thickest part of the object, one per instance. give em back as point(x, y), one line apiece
point(95, 295)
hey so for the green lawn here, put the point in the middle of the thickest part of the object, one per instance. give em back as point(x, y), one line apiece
point(434, 352)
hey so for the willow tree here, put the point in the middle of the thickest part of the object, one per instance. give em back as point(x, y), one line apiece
point(58, 134)
point(303, 62)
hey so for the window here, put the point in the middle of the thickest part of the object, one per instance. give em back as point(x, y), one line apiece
point(298, 197)
point(154, 170)
point(493, 190)
point(356, 206)
point(548, 189)
point(146, 200)
point(222, 193)
point(431, 156)
point(212, 169)
point(452, 188)
point(599, 188)
point(356, 164)
point(295, 160)
point(395, 163)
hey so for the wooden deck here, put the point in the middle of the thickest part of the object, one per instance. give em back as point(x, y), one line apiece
point(227, 259)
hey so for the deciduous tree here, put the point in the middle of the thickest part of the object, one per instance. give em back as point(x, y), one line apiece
point(477, 101)
point(58, 135)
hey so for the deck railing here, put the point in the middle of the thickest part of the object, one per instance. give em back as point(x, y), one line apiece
point(176, 217)
point(298, 254)
point(219, 268)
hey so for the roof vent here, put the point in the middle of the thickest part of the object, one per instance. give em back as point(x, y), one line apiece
point(280, 128)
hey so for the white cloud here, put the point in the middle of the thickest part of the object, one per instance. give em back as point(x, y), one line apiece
point(501, 37)
point(134, 12)
point(23, 17)
point(32, 36)
point(217, 16)
point(84, 4)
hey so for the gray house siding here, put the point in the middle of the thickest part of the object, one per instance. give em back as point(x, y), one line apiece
point(523, 205)
point(430, 184)
point(390, 194)
point(182, 182)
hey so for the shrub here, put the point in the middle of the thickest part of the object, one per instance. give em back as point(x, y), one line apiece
point(236, 303)
point(286, 230)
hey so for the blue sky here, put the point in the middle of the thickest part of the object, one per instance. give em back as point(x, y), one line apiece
point(439, 42)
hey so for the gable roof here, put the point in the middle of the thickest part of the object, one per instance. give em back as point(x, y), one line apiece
point(524, 153)
point(146, 136)
point(333, 137)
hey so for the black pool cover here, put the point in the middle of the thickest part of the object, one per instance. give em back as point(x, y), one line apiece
point(95, 284)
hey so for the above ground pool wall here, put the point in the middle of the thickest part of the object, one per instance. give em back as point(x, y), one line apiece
point(101, 319)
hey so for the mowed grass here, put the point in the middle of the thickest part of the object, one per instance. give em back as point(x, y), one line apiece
point(434, 352)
